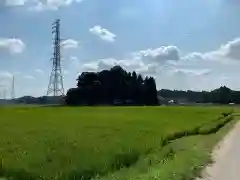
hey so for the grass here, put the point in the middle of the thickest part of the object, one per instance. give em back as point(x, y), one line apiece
point(181, 159)
point(121, 142)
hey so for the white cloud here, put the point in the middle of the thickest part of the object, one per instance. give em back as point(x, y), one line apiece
point(162, 53)
point(225, 54)
point(92, 67)
point(13, 45)
point(195, 70)
point(69, 43)
point(41, 5)
point(205, 70)
point(15, 2)
point(149, 69)
point(128, 64)
point(104, 34)
point(193, 56)
point(144, 61)
point(108, 63)
point(231, 49)
point(29, 77)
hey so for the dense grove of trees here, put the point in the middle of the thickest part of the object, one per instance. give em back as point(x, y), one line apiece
point(114, 86)
point(222, 95)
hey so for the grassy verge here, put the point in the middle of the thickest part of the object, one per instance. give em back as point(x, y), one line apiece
point(181, 159)
point(82, 143)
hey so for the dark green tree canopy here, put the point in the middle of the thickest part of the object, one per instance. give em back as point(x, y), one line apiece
point(222, 95)
point(114, 86)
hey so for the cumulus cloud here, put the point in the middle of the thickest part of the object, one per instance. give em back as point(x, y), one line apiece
point(108, 63)
point(194, 70)
point(90, 67)
point(127, 64)
point(69, 43)
point(13, 45)
point(225, 54)
point(149, 69)
point(231, 49)
point(144, 61)
point(162, 53)
point(104, 34)
point(193, 56)
point(205, 70)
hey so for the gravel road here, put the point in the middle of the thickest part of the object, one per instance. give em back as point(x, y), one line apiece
point(226, 158)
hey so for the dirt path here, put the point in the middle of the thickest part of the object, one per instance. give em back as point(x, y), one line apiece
point(226, 158)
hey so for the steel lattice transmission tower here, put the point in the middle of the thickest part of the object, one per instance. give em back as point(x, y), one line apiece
point(55, 86)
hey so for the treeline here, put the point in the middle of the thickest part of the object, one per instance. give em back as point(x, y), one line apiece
point(222, 95)
point(119, 87)
point(43, 100)
point(114, 86)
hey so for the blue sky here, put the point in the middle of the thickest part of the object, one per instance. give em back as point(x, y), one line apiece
point(190, 44)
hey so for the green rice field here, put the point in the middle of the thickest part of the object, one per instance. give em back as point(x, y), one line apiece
point(103, 142)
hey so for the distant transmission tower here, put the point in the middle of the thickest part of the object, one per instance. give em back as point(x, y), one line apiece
point(13, 88)
point(55, 86)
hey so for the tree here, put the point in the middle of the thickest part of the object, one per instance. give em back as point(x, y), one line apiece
point(109, 86)
point(222, 95)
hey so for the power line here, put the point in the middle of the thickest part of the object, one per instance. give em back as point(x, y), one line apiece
point(55, 85)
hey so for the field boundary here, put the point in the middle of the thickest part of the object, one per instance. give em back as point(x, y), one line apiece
point(199, 130)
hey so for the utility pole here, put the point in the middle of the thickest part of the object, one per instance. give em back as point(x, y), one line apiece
point(55, 85)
